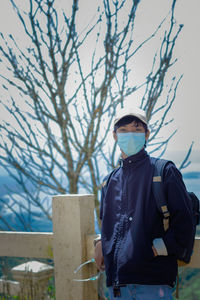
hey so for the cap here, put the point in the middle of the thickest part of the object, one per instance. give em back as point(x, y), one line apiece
point(134, 111)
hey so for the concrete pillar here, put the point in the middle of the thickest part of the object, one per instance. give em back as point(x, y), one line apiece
point(8, 287)
point(73, 220)
point(33, 277)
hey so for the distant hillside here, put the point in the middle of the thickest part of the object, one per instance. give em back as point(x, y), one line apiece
point(191, 175)
point(7, 182)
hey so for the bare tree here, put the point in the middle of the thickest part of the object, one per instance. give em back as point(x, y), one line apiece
point(63, 85)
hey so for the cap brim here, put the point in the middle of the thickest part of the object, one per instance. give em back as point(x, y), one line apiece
point(138, 116)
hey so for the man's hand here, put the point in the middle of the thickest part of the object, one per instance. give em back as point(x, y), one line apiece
point(154, 251)
point(98, 256)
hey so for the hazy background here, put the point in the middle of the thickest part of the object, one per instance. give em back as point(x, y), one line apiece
point(186, 108)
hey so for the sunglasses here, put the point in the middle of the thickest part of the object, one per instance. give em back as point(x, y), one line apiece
point(93, 277)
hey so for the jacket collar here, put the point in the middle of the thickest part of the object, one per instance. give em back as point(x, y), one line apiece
point(133, 159)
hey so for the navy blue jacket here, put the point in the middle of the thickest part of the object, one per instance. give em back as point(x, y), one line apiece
point(131, 221)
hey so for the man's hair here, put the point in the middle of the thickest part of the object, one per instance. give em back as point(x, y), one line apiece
point(127, 120)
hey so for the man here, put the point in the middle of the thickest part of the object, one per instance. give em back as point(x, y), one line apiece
point(139, 257)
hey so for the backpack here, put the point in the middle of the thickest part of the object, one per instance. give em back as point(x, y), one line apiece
point(157, 187)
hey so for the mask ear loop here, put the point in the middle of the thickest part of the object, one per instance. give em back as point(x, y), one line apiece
point(87, 279)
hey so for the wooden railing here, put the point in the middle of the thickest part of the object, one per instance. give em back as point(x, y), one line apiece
point(69, 245)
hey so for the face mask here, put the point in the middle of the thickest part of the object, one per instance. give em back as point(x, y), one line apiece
point(131, 142)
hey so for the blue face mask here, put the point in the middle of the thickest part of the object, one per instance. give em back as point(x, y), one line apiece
point(131, 142)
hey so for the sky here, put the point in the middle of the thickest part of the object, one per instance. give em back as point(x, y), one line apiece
point(187, 104)
point(186, 108)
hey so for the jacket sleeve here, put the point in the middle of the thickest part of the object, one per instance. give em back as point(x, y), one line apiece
point(101, 203)
point(103, 192)
point(179, 238)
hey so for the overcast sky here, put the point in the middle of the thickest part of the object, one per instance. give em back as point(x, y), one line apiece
point(187, 104)
point(186, 108)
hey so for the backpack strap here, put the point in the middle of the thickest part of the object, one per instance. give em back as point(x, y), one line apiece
point(158, 190)
point(107, 180)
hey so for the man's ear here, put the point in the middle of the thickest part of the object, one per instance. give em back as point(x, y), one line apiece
point(115, 136)
point(147, 134)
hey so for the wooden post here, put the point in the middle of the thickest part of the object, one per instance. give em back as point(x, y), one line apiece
point(73, 220)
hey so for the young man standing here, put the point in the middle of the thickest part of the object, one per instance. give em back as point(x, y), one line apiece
point(138, 255)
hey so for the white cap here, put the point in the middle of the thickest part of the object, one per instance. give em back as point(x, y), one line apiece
point(134, 111)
